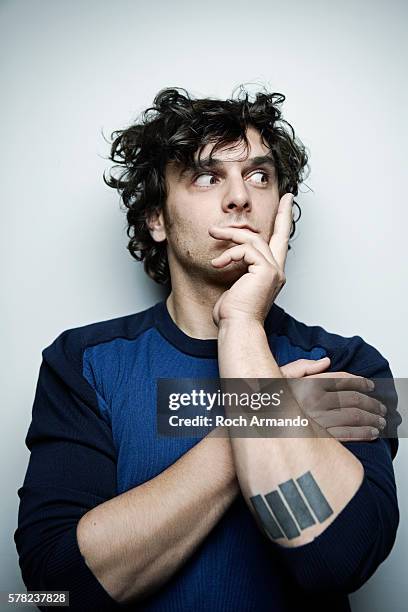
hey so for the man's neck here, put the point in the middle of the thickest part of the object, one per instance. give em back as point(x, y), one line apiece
point(191, 310)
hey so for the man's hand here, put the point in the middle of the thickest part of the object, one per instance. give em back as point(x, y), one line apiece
point(252, 295)
point(342, 407)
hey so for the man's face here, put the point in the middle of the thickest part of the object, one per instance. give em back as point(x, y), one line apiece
point(233, 191)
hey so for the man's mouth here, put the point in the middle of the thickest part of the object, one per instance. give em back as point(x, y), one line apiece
point(243, 226)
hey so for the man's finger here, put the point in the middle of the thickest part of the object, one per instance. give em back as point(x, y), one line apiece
point(339, 381)
point(304, 367)
point(349, 417)
point(242, 236)
point(281, 231)
point(345, 399)
point(241, 252)
point(348, 434)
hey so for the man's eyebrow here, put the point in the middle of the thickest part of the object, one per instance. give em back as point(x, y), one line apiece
point(211, 163)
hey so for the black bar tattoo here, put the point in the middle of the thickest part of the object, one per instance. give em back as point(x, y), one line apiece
point(286, 512)
point(295, 502)
point(314, 496)
point(279, 509)
point(266, 518)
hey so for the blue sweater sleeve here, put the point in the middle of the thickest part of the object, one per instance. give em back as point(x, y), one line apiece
point(69, 444)
point(344, 556)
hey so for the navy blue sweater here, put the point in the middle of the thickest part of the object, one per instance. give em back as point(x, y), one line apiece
point(93, 436)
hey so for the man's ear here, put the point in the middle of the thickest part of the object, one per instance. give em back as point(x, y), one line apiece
point(155, 223)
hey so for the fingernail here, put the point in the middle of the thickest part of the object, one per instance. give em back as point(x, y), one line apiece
point(383, 409)
point(382, 422)
point(374, 432)
point(371, 385)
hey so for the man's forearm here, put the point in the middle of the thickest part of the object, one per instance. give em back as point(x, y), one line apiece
point(134, 542)
point(267, 468)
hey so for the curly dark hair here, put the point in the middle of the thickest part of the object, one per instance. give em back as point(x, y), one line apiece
point(174, 129)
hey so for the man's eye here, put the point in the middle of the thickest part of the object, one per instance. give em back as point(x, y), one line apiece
point(263, 177)
point(205, 179)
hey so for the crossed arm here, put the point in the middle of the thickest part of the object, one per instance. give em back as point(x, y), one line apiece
point(280, 472)
point(136, 541)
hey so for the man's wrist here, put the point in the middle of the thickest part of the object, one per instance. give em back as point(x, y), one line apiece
point(240, 325)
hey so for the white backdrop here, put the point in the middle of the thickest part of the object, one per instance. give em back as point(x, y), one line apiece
point(69, 70)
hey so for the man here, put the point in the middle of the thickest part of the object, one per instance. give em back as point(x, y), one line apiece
point(119, 516)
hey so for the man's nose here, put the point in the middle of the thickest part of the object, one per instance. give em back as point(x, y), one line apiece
point(237, 197)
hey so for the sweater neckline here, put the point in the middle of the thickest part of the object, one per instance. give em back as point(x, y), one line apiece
point(200, 347)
